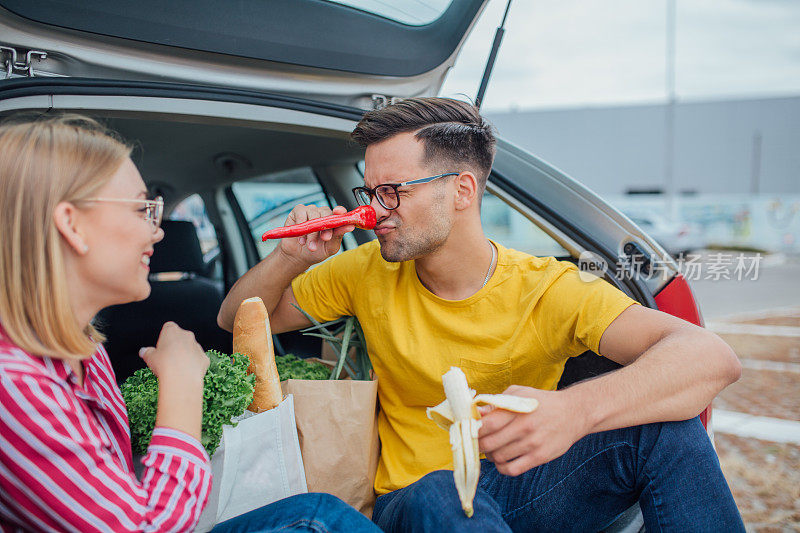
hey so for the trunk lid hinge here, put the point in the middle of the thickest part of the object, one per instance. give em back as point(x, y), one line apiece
point(379, 101)
point(14, 67)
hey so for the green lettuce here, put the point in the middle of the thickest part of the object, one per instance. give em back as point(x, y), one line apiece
point(290, 367)
point(227, 391)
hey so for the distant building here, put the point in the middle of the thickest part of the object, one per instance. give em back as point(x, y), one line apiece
point(733, 146)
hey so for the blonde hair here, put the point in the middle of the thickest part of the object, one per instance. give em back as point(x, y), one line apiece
point(43, 162)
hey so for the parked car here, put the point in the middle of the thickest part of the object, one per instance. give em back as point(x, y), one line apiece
point(226, 105)
point(677, 238)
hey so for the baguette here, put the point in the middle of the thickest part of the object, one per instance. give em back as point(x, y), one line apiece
point(252, 337)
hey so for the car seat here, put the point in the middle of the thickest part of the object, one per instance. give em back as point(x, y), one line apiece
point(179, 293)
point(585, 366)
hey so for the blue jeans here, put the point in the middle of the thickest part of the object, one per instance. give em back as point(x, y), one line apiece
point(303, 512)
point(670, 468)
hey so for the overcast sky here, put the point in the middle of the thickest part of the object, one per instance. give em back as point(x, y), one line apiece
point(569, 53)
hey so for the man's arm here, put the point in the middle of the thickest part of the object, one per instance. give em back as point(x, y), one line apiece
point(673, 371)
point(271, 279)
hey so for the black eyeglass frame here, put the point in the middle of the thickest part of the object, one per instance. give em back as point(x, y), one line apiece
point(373, 192)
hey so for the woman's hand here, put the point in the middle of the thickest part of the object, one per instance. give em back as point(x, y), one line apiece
point(176, 357)
point(180, 364)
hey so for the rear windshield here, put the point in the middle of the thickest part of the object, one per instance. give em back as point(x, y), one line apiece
point(411, 12)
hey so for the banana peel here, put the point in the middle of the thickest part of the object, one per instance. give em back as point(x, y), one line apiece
point(459, 415)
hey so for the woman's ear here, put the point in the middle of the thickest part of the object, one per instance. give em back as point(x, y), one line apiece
point(466, 190)
point(65, 217)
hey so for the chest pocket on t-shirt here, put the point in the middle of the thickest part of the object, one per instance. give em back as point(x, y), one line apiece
point(487, 377)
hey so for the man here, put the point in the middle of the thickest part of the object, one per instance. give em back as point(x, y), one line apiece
point(434, 292)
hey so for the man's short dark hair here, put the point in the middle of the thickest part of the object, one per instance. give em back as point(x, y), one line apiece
point(453, 132)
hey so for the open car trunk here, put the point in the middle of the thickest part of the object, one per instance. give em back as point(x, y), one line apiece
point(316, 49)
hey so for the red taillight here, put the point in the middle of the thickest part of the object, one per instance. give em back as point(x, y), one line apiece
point(676, 298)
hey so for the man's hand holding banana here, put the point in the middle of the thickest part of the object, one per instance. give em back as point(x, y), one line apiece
point(517, 442)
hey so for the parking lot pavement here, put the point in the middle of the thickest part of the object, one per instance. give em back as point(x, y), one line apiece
point(763, 477)
point(777, 285)
point(754, 329)
point(757, 427)
point(768, 345)
point(756, 420)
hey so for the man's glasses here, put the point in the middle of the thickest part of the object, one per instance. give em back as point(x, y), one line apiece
point(153, 209)
point(387, 193)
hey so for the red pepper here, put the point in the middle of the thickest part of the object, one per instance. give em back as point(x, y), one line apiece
point(363, 217)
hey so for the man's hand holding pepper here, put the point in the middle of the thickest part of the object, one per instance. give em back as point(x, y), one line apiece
point(517, 442)
point(271, 278)
point(315, 247)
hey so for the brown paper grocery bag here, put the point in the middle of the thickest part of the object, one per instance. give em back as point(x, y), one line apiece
point(338, 429)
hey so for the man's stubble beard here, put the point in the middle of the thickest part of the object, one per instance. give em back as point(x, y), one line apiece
point(406, 247)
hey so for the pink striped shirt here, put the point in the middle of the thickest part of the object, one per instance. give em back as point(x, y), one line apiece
point(65, 454)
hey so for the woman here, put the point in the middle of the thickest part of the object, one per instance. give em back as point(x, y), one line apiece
point(78, 234)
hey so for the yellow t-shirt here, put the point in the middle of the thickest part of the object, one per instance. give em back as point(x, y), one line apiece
point(519, 329)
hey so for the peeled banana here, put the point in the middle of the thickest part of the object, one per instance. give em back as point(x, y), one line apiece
point(459, 415)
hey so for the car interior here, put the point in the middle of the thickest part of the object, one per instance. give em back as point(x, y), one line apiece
point(181, 291)
point(189, 279)
point(191, 164)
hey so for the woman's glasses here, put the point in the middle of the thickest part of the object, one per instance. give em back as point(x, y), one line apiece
point(153, 209)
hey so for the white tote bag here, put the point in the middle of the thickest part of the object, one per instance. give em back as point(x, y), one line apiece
point(258, 462)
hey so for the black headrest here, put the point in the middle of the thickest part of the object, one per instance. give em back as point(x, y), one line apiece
point(179, 250)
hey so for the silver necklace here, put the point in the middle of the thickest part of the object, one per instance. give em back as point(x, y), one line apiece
point(491, 264)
